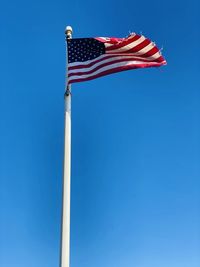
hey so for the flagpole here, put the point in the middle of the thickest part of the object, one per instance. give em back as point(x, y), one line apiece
point(65, 229)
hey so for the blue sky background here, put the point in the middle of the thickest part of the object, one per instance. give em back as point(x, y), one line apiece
point(135, 138)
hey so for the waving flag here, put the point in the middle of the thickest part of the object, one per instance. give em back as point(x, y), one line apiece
point(90, 58)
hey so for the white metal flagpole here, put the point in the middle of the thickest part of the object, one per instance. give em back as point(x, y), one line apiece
point(65, 231)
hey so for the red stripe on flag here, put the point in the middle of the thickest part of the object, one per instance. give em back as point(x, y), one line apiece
point(140, 46)
point(124, 42)
point(151, 52)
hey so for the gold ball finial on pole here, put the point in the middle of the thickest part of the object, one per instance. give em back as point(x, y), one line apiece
point(68, 32)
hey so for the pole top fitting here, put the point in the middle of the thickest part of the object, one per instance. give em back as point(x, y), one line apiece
point(68, 32)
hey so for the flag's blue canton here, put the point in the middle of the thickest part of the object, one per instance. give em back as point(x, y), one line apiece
point(80, 50)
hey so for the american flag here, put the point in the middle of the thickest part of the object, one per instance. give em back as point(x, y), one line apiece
point(90, 58)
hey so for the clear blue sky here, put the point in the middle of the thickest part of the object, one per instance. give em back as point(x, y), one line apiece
point(135, 138)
